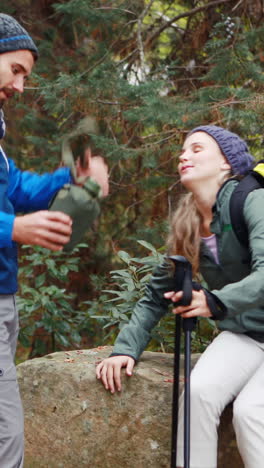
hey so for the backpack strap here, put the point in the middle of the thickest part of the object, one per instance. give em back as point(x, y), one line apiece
point(252, 181)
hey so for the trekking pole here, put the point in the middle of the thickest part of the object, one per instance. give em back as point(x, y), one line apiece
point(183, 282)
point(176, 387)
point(188, 326)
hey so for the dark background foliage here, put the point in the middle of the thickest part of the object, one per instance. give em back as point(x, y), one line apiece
point(147, 71)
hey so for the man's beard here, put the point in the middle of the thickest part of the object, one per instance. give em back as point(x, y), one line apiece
point(8, 93)
point(1, 100)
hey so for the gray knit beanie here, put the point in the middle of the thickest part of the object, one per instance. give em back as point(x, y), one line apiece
point(232, 146)
point(14, 37)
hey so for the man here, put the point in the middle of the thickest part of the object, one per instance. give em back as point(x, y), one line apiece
point(24, 192)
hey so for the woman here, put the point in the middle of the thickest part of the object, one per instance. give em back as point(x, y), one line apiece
point(232, 367)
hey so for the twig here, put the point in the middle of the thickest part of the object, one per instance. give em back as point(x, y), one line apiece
point(147, 145)
point(140, 41)
point(111, 131)
point(115, 8)
point(154, 196)
point(237, 5)
point(184, 15)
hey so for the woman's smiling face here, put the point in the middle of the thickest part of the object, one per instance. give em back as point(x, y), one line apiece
point(201, 160)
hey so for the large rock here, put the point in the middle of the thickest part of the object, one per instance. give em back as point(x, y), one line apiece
point(71, 421)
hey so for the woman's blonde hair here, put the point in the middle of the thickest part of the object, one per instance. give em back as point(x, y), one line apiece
point(184, 236)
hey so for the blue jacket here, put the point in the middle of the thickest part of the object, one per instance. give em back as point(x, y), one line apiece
point(21, 192)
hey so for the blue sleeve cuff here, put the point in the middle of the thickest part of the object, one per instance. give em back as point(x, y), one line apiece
point(29, 191)
point(6, 229)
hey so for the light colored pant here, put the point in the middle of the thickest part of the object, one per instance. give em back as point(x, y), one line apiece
point(231, 368)
point(11, 413)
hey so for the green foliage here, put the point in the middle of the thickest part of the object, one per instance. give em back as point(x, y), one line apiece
point(128, 286)
point(148, 71)
point(48, 320)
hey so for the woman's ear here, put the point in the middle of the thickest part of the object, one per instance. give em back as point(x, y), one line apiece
point(225, 166)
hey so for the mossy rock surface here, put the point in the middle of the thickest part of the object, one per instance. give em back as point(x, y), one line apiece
point(71, 421)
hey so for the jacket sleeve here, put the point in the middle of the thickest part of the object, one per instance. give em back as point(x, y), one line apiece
point(134, 337)
point(6, 229)
point(248, 293)
point(29, 191)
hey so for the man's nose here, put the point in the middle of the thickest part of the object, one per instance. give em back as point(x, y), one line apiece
point(18, 84)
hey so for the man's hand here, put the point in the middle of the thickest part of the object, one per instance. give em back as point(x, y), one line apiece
point(198, 306)
point(95, 167)
point(109, 371)
point(49, 229)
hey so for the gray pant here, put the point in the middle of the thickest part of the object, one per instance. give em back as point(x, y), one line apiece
point(11, 412)
point(231, 368)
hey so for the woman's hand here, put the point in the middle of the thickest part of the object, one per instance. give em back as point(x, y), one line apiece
point(109, 371)
point(198, 306)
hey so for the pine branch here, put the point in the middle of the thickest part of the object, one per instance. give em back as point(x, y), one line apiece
point(116, 8)
point(140, 41)
point(143, 200)
point(184, 15)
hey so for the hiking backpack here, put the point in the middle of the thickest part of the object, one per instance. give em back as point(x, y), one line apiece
point(252, 181)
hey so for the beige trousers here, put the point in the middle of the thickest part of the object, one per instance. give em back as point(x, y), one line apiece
point(231, 368)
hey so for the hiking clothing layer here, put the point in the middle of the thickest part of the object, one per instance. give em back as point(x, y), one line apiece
point(215, 380)
point(12, 420)
point(22, 192)
point(237, 280)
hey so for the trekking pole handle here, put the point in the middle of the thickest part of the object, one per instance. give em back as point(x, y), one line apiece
point(183, 278)
point(183, 282)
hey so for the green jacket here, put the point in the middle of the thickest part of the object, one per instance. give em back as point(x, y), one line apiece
point(238, 281)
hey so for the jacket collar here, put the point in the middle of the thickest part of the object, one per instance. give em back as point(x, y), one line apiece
point(222, 198)
point(224, 193)
point(2, 124)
